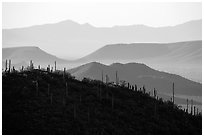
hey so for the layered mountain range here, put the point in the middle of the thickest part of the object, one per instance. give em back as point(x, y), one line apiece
point(183, 58)
point(68, 34)
point(142, 55)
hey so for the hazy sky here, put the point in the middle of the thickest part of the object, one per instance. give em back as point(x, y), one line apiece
point(104, 14)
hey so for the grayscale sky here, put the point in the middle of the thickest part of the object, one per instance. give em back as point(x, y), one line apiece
point(99, 14)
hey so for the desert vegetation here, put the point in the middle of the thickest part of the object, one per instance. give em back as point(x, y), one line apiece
point(47, 101)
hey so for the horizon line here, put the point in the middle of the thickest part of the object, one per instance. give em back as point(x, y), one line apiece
point(88, 23)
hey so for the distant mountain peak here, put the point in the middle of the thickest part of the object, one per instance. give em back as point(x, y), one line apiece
point(68, 22)
point(95, 64)
point(140, 74)
point(27, 53)
point(87, 24)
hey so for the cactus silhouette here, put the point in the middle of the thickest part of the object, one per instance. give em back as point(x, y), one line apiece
point(191, 107)
point(102, 75)
point(155, 93)
point(51, 69)
point(6, 66)
point(9, 66)
point(135, 87)
point(64, 72)
point(48, 68)
point(55, 65)
point(144, 90)
point(116, 78)
point(173, 93)
point(187, 106)
point(14, 69)
point(31, 65)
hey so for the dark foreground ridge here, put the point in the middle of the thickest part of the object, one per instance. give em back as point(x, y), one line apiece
point(40, 102)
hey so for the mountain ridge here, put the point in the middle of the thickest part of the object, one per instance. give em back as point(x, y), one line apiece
point(89, 38)
point(20, 55)
point(140, 50)
point(88, 24)
point(136, 73)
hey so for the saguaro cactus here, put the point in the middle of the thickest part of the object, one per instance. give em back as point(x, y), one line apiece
point(135, 87)
point(191, 106)
point(173, 92)
point(64, 72)
point(194, 110)
point(143, 88)
point(116, 77)
point(102, 75)
point(155, 108)
point(187, 106)
point(6, 66)
point(55, 65)
point(51, 69)
point(31, 65)
point(14, 69)
point(155, 93)
point(9, 65)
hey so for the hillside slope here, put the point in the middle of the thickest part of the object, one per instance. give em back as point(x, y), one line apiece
point(87, 107)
